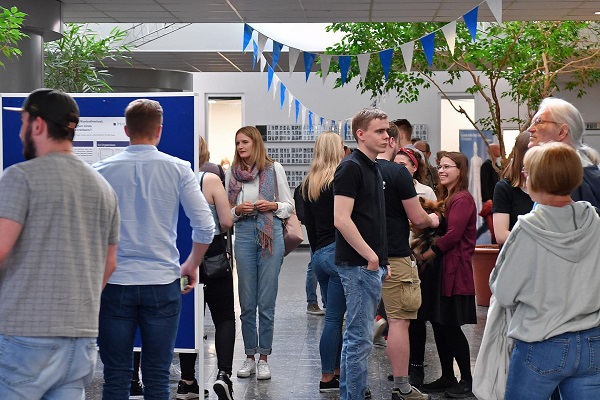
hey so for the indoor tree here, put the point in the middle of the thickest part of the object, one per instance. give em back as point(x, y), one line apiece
point(535, 58)
point(11, 23)
point(75, 62)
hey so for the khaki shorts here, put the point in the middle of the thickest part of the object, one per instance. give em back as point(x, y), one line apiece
point(401, 292)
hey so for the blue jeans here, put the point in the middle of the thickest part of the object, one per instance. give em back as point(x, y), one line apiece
point(52, 368)
point(570, 361)
point(258, 280)
point(330, 346)
point(311, 285)
point(362, 289)
point(155, 309)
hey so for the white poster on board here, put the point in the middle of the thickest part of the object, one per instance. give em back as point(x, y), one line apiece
point(97, 138)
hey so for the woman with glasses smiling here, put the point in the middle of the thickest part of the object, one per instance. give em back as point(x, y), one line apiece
point(456, 304)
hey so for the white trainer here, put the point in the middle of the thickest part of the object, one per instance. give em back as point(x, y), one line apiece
point(249, 368)
point(263, 370)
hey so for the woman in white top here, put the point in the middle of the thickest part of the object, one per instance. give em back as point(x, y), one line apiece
point(260, 199)
point(413, 161)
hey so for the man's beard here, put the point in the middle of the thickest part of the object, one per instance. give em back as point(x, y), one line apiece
point(29, 149)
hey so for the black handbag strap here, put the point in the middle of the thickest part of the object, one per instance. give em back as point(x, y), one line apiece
point(201, 179)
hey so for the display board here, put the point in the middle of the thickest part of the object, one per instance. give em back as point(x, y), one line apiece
point(99, 135)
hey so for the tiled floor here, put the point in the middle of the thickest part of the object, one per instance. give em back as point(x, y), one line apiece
point(295, 362)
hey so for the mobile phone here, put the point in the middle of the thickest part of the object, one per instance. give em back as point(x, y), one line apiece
point(184, 281)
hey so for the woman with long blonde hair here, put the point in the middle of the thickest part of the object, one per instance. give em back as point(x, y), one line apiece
point(260, 198)
point(317, 193)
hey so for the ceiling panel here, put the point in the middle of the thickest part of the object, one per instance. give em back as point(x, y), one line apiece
point(296, 11)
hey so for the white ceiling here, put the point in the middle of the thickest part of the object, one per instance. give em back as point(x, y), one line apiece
point(317, 10)
point(295, 11)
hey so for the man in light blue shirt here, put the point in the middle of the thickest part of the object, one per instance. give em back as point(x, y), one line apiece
point(144, 290)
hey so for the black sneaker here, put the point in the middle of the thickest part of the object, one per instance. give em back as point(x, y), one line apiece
point(185, 391)
point(461, 390)
point(331, 386)
point(223, 386)
point(136, 391)
point(439, 386)
point(368, 393)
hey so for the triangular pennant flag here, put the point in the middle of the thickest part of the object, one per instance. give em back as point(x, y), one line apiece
point(276, 52)
point(495, 7)
point(344, 67)
point(325, 63)
point(450, 34)
point(262, 41)
point(303, 114)
point(363, 65)
point(263, 63)
point(269, 77)
point(247, 36)
point(428, 45)
point(471, 21)
point(290, 101)
point(408, 50)
point(255, 54)
point(309, 59)
point(293, 54)
point(310, 121)
point(281, 95)
point(297, 105)
point(275, 85)
point(385, 56)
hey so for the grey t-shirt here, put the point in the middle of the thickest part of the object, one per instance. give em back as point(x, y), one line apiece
point(50, 283)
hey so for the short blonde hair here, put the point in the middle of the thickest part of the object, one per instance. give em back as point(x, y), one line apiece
point(553, 168)
point(203, 153)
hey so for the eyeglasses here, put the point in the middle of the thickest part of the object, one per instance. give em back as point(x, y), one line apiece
point(538, 121)
point(446, 166)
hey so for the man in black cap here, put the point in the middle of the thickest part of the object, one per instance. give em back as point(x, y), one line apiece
point(59, 228)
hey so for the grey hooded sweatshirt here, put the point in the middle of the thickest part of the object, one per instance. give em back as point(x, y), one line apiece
point(548, 272)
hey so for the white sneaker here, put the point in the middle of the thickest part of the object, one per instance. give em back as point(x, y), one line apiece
point(249, 368)
point(379, 341)
point(379, 327)
point(263, 370)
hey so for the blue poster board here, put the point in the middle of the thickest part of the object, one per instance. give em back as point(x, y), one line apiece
point(178, 139)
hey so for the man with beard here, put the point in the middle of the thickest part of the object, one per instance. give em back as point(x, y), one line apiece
point(59, 227)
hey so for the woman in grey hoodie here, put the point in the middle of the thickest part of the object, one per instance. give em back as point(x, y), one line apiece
point(548, 273)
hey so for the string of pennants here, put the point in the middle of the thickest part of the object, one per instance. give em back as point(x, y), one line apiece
point(385, 57)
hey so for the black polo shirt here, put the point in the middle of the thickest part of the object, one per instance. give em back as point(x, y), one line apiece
point(359, 177)
point(398, 186)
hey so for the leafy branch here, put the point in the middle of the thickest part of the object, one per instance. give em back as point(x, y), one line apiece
point(11, 23)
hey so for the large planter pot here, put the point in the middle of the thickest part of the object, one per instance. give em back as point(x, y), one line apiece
point(484, 260)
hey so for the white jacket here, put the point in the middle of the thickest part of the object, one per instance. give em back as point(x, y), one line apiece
point(549, 272)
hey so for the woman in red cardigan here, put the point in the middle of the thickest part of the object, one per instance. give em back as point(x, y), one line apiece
point(453, 297)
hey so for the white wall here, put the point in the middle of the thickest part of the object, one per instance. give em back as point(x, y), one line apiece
point(259, 108)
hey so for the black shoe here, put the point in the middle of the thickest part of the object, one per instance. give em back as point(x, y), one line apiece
point(206, 393)
point(461, 390)
point(136, 390)
point(368, 393)
point(416, 374)
point(331, 386)
point(185, 391)
point(223, 386)
point(438, 386)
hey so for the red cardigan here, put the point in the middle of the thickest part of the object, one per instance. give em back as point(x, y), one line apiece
point(458, 245)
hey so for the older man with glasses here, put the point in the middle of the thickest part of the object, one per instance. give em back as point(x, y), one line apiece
point(559, 121)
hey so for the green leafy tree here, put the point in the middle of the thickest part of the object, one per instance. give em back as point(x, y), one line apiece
point(75, 62)
point(535, 58)
point(11, 23)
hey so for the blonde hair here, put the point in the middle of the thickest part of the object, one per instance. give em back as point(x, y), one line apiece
point(259, 157)
point(329, 150)
point(553, 168)
point(203, 153)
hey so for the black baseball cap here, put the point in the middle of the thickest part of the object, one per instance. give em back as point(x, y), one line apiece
point(52, 105)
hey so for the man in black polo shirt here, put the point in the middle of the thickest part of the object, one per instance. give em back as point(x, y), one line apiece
point(360, 245)
point(401, 291)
